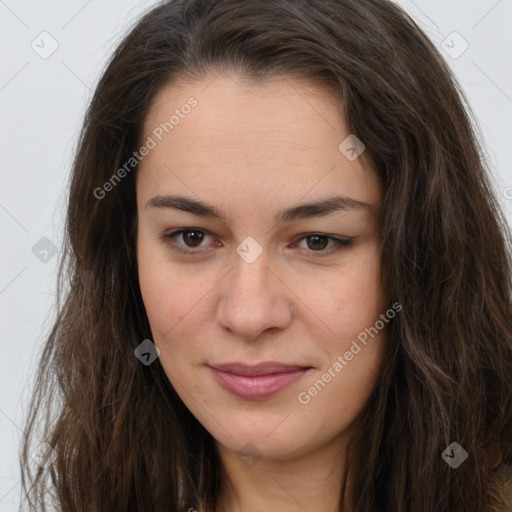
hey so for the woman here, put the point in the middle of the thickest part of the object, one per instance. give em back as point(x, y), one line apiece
point(287, 278)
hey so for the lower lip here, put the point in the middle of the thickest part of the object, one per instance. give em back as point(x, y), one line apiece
point(259, 386)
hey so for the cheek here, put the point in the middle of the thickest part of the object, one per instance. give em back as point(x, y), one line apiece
point(167, 294)
point(155, 290)
point(351, 305)
point(332, 407)
point(160, 295)
point(176, 304)
point(166, 309)
point(353, 354)
point(347, 300)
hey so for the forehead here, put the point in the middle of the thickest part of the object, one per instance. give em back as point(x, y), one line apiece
point(251, 141)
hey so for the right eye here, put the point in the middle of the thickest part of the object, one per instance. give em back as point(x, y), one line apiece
point(192, 237)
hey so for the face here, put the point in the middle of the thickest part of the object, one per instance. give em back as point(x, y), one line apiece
point(267, 310)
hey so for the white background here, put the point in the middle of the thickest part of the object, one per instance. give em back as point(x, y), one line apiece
point(42, 102)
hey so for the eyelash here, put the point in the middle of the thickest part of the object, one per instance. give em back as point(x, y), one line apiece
point(339, 243)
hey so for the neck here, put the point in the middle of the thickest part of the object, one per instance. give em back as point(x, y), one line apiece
point(305, 482)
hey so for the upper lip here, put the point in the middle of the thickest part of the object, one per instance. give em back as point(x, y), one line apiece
point(265, 368)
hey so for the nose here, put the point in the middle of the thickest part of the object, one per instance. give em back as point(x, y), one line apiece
point(253, 299)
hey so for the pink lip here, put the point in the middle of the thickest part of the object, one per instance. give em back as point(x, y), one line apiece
point(257, 381)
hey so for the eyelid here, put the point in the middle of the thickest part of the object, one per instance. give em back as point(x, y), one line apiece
point(169, 237)
point(339, 242)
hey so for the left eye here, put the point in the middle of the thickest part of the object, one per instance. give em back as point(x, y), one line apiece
point(317, 242)
point(193, 237)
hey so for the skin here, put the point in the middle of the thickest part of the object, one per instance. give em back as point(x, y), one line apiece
point(252, 149)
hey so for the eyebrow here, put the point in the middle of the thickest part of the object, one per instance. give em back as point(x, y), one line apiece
point(305, 210)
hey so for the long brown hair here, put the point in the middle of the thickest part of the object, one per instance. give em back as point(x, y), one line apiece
point(122, 438)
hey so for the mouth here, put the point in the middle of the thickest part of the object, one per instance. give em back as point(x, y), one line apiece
point(257, 381)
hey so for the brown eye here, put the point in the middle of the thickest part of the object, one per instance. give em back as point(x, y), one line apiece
point(190, 238)
point(318, 242)
point(193, 238)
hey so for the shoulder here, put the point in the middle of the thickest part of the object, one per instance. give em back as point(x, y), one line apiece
point(500, 490)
